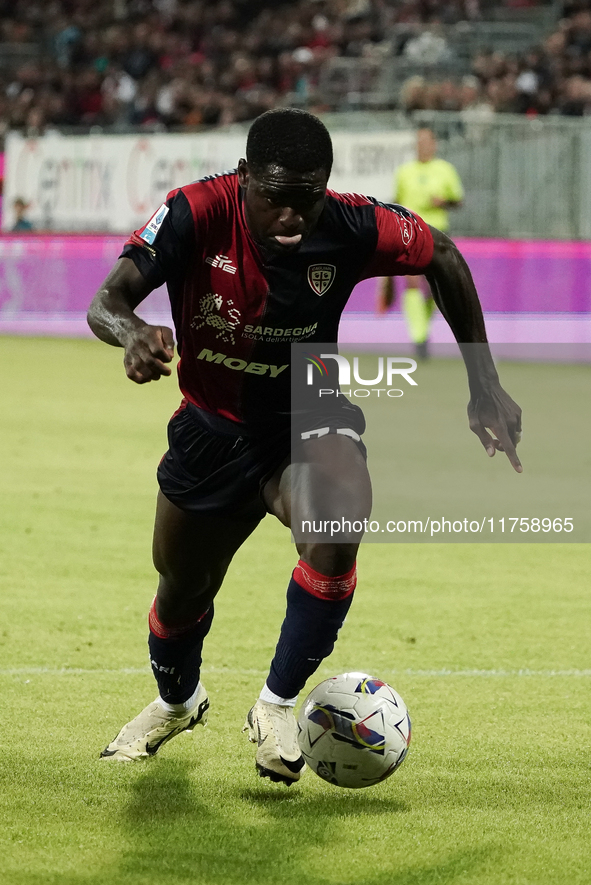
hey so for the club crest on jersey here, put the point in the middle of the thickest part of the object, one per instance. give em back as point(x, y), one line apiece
point(321, 277)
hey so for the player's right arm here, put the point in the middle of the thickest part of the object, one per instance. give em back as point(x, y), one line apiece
point(112, 318)
point(152, 256)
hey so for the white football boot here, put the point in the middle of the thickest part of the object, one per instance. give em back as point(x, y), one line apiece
point(273, 727)
point(153, 727)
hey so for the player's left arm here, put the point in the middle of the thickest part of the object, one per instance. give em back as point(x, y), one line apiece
point(494, 417)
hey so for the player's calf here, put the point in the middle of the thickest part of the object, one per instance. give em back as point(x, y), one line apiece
point(317, 605)
point(316, 608)
point(175, 655)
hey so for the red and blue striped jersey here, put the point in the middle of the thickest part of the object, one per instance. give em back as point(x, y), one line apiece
point(237, 308)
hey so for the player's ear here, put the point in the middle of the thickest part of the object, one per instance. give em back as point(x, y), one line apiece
point(243, 173)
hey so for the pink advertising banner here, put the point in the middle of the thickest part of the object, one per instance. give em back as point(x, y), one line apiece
point(534, 291)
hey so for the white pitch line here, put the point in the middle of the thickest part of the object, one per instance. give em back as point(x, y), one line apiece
point(525, 671)
point(444, 672)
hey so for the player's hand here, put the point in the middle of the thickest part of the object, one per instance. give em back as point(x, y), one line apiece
point(496, 420)
point(147, 349)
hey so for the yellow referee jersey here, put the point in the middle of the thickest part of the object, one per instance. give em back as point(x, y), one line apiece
point(416, 183)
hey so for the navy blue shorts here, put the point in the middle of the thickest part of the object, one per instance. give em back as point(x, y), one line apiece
point(214, 467)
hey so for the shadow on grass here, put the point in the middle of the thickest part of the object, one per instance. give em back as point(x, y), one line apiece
point(164, 831)
point(336, 804)
point(264, 836)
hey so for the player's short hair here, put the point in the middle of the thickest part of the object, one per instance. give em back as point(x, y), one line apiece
point(291, 138)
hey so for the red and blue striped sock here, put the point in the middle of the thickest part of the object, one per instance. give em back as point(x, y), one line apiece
point(316, 609)
point(175, 655)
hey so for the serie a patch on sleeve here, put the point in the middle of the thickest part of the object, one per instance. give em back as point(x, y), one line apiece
point(154, 224)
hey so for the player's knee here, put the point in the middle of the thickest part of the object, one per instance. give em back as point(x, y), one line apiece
point(329, 559)
point(191, 594)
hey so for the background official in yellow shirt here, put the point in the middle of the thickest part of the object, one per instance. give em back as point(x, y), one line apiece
point(428, 186)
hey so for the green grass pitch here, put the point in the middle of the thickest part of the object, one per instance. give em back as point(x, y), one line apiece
point(488, 644)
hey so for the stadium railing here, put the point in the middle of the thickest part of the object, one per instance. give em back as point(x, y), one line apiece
point(523, 177)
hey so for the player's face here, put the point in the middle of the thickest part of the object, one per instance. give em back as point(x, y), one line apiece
point(281, 207)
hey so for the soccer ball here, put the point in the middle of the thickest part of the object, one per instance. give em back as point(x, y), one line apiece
point(354, 730)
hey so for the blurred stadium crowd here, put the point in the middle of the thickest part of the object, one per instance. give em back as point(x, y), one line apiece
point(174, 64)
